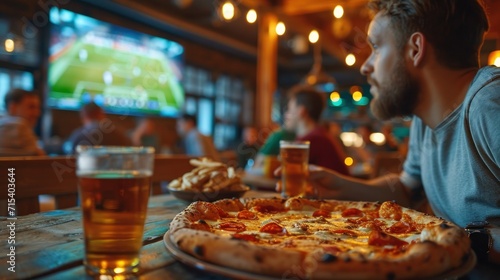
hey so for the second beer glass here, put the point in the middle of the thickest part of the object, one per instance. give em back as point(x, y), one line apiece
point(294, 167)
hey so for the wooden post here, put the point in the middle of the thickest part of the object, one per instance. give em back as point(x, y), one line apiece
point(266, 69)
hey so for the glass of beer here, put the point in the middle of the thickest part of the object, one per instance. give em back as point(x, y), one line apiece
point(114, 187)
point(294, 167)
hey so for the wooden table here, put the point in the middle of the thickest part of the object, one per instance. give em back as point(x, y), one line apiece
point(49, 245)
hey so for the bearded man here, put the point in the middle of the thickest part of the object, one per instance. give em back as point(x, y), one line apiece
point(425, 63)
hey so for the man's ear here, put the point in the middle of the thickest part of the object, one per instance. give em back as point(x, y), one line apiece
point(416, 48)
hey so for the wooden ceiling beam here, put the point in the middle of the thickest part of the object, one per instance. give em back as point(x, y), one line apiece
point(300, 7)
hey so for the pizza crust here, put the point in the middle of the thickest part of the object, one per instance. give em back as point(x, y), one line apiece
point(442, 245)
point(238, 254)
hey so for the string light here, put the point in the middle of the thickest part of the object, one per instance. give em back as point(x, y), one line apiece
point(251, 16)
point(313, 36)
point(280, 28)
point(338, 11)
point(228, 10)
point(9, 45)
point(350, 59)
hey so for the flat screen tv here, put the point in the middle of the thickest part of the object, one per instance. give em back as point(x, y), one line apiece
point(122, 70)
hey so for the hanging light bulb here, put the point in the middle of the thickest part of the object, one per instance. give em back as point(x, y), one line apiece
point(251, 16)
point(313, 36)
point(280, 28)
point(9, 45)
point(228, 10)
point(338, 11)
point(350, 59)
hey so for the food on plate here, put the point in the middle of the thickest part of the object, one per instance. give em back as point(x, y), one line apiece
point(208, 176)
point(320, 239)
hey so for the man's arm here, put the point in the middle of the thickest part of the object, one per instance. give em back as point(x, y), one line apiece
point(331, 184)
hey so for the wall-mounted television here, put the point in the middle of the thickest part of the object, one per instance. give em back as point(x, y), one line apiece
point(122, 70)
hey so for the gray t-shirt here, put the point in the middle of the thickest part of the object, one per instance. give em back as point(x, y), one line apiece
point(458, 162)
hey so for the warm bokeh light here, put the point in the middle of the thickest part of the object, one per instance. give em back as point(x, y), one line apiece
point(228, 11)
point(251, 16)
point(357, 95)
point(497, 62)
point(313, 36)
point(338, 11)
point(280, 28)
point(351, 139)
point(377, 138)
point(354, 88)
point(494, 58)
point(334, 96)
point(9, 45)
point(348, 161)
point(350, 59)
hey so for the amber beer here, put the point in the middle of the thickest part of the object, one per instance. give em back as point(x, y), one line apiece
point(114, 209)
point(294, 163)
point(114, 191)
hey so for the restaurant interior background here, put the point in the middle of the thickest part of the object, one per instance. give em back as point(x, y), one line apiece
point(234, 73)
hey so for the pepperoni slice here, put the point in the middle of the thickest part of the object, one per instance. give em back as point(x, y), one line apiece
point(378, 238)
point(273, 228)
point(267, 209)
point(201, 225)
point(400, 227)
point(391, 210)
point(246, 215)
point(222, 213)
point(321, 213)
point(246, 237)
point(233, 226)
point(352, 212)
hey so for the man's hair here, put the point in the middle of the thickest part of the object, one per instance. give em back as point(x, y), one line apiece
point(189, 117)
point(16, 95)
point(311, 99)
point(92, 111)
point(455, 28)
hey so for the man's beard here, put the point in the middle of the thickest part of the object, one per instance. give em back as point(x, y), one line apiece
point(396, 98)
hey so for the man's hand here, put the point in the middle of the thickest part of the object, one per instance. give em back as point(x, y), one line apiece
point(321, 181)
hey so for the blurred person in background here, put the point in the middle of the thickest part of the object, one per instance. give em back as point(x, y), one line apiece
point(193, 142)
point(305, 106)
point(144, 134)
point(17, 137)
point(247, 150)
point(97, 129)
point(266, 160)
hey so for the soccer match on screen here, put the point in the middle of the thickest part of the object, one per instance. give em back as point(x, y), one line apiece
point(123, 71)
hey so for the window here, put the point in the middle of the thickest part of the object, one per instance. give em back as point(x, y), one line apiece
point(13, 79)
point(217, 103)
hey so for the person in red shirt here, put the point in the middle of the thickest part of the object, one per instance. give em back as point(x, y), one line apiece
point(303, 113)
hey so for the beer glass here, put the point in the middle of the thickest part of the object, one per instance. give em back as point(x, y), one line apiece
point(114, 187)
point(294, 167)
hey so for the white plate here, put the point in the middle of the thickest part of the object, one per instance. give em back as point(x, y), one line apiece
point(238, 274)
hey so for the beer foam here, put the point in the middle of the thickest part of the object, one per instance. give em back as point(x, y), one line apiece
point(294, 145)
